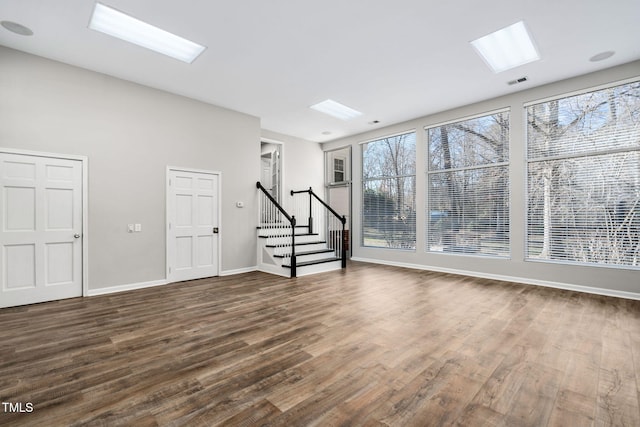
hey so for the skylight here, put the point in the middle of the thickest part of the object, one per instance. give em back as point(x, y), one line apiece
point(336, 110)
point(120, 25)
point(507, 48)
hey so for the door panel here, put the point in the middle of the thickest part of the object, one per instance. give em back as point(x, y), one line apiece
point(20, 264)
point(59, 207)
point(206, 183)
point(183, 210)
point(59, 269)
point(184, 254)
point(15, 169)
point(205, 251)
point(41, 211)
point(59, 173)
point(20, 208)
point(205, 208)
point(192, 214)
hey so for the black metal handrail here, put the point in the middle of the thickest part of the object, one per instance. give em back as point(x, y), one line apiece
point(292, 221)
point(343, 220)
point(275, 202)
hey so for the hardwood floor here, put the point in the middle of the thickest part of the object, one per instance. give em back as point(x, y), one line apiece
point(375, 346)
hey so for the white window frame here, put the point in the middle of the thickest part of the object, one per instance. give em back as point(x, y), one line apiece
point(429, 173)
point(365, 180)
point(585, 154)
point(335, 170)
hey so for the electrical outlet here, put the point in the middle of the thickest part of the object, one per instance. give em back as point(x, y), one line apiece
point(129, 228)
point(138, 228)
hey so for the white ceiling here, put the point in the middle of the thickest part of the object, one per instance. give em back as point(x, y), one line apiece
point(392, 60)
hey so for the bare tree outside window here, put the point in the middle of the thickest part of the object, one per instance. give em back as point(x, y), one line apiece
point(388, 194)
point(468, 186)
point(584, 178)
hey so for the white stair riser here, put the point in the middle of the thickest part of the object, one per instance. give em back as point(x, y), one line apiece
point(305, 239)
point(274, 232)
point(286, 240)
point(264, 231)
point(312, 257)
point(301, 248)
point(285, 250)
point(318, 268)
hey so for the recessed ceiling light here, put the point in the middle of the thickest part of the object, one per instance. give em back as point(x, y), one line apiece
point(14, 27)
point(336, 110)
point(120, 25)
point(602, 56)
point(507, 48)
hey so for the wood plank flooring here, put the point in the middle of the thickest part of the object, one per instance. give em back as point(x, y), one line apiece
point(375, 346)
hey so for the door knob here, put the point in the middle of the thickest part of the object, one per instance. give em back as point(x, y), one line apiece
point(77, 236)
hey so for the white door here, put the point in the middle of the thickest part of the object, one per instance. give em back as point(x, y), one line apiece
point(275, 175)
point(192, 216)
point(41, 229)
point(265, 177)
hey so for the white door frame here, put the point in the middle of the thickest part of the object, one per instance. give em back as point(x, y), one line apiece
point(85, 203)
point(166, 228)
point(348, 183)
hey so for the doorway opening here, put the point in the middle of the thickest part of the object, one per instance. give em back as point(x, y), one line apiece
point(337, 180)
point(271, 168)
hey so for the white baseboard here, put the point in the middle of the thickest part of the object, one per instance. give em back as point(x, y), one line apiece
point(127, 287)
point(523, 280)
point(142, 285)
point(238, 271)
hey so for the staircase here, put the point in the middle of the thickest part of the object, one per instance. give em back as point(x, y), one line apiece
point(288, 249)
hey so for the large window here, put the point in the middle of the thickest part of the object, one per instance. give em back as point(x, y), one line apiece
point(584, 178)
point(468, 186)
point(388, 193)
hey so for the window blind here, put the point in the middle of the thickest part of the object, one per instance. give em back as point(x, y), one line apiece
point(468, 186)
point(583, 178)
point(388, 193)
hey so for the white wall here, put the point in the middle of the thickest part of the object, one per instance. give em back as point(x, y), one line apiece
point(625, 282)
point(130, 133)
